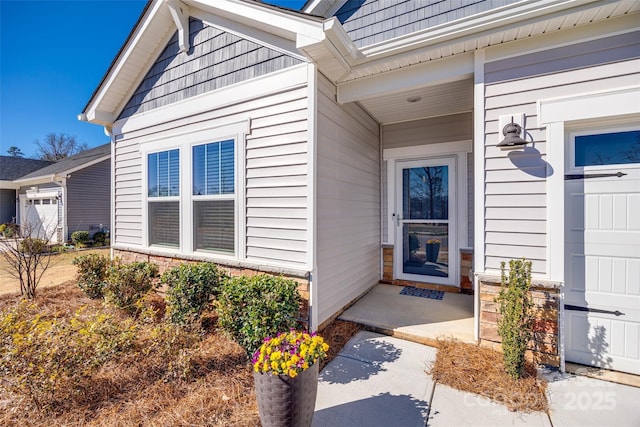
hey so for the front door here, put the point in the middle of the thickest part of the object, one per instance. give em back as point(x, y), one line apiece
point(425, 223)
point(602, 252)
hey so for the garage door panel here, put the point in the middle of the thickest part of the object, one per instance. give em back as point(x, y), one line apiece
point(606, 343)
point(602, 251)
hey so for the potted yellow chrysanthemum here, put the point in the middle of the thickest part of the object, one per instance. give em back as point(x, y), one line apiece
point(285, 370)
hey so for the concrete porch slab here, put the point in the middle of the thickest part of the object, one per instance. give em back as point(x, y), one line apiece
point(414, 318)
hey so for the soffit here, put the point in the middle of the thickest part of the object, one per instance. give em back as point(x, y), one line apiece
point(440, 100)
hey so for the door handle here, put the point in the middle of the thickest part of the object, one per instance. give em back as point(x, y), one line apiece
point(592, 310)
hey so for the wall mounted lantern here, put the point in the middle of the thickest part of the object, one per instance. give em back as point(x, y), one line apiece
point(511, 129)
point(512, 138)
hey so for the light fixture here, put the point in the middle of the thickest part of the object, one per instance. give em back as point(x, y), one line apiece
point(413, 99)
point(512, 137)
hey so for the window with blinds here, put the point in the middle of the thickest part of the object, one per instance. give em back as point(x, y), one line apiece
point(163, 197)
point(214, 196)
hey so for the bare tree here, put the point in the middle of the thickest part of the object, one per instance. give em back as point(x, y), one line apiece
point(57, 146)
point(14, 151)
point(28, 256)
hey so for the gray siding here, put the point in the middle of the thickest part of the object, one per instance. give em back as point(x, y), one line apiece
point(516, 208)
point(216, 59)
point(89, 198)
point(372, 21)
point(348, 202)
point(7, 205)
point(565, 58)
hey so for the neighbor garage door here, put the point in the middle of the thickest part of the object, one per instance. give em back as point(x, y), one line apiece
point(39, 216)
point(602, 253)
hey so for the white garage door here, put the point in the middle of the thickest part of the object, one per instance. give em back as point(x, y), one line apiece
point(602, 254)
point(39, 217)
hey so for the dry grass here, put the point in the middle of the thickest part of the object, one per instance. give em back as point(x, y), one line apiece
point(480, 370)
point(136, 389)
point(60, 271)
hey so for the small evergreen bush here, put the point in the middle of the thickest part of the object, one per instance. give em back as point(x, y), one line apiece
point(80, 238)
point(129, 283)
point(92, 274)
point(190, 290)
point(253, 308)
point(516, 316)
point(99, 238)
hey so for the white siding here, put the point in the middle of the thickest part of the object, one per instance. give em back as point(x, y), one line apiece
point(275, 175)
point(128, 194)
point(348, 202)
point(515, 183)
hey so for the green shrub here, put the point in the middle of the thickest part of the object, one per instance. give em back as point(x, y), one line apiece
point(253, 308)
point(10, 230)
point(99, 238)
point(80, 238)
point(516, 316)
point(128, 283)
point(43, 357)
point(2, 228)
point(32, 245)
point(190, 289)
point(92, 274)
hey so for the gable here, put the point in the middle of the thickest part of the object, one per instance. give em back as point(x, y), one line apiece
point(216, 59)
point(373, 21)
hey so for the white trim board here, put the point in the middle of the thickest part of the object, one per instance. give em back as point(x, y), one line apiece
point(590, 105)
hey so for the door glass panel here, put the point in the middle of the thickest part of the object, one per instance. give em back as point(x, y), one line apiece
point(608, 148)
point(426, 249)
point(425, 192)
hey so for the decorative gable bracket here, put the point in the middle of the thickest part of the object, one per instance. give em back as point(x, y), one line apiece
point(180, 14)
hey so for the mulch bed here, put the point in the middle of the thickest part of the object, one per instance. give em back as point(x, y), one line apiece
point(480, 370)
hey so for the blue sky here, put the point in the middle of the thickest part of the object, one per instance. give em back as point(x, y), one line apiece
point(53, 54)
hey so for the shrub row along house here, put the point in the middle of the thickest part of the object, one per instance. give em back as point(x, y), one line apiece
point(358, 141)
point(55, 199)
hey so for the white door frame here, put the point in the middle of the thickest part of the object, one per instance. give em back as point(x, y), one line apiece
point(457, 150)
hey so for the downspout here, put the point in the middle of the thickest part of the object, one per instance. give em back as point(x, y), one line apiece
point(62, 181)
point(108, 131)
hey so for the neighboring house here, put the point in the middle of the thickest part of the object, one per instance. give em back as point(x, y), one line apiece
point(69, 195)
point(12, 168)
point(358, 141)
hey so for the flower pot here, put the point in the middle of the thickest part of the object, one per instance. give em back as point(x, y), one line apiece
point(284, 401)
point(432, 252)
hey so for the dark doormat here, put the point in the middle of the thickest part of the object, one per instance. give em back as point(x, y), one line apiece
point(422, 293)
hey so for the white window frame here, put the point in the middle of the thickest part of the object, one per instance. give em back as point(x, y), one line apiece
point(185, 140)
point(159, 199)
point(571, 158)
point(213, 197)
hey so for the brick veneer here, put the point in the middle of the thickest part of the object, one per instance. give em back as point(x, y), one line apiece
point(466, 264)
point(543, 348)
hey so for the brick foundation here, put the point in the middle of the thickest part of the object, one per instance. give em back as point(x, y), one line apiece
point(544, 346)
point(465, 284)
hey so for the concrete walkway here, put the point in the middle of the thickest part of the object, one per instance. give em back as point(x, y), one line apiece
point(378, 380)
